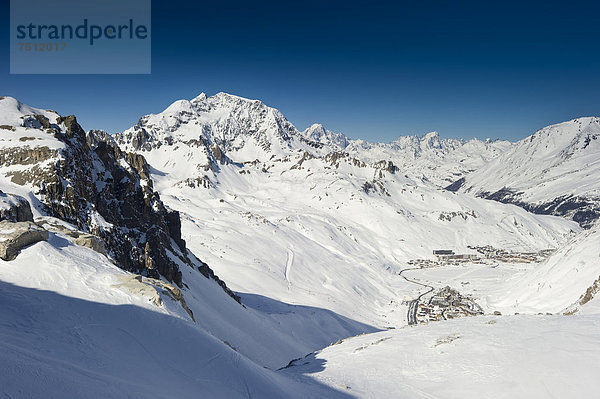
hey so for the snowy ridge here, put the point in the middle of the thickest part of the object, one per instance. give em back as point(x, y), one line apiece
point(311, 230)
point(430, 157)
point(316, 132)
point(560, 283)
point(249, 217)
point(245, 129)
point(553, 171)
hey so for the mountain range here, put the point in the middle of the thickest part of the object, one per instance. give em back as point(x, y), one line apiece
point(216, 248)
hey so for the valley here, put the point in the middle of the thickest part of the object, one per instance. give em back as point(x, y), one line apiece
point(216, 247)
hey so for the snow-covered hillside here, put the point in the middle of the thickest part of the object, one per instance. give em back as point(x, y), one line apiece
point(74, 325)
point(515, 357)
point(566, 281)
point(554, 171)
point(430, 157)
point(320, 230)
point(108, 289)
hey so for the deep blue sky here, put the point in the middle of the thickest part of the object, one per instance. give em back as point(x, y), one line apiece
point(375, 70)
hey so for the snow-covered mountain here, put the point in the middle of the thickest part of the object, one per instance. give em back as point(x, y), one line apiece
point(109, 248)
point(431, 157)
point(244, 129)
point(554, 171)
point(227, 128)
point(96, 204)
point(270, 222)
point(316, 132)
point(567, 280)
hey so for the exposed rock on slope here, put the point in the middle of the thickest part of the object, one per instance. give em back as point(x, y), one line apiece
point(16, 235)
point(554, 171)
point(14, 208)
point(243, 129)
point(88, 181)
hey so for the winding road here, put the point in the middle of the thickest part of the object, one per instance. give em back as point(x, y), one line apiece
point(413, 305)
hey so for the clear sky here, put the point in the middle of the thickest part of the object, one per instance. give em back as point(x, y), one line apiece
point(372, 70)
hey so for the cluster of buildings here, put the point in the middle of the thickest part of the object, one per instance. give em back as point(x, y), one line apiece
point(485, 254)
point(505, 256)
point(446, 303)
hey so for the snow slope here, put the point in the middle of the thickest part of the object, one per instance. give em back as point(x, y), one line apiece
point(69, 329)
point(480, 357)
point(553, 171)
point(322, 230)
point(270, 336)
point(430, 157)
point(558, 283)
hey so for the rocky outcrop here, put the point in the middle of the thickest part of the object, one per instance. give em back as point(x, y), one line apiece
point(581, 209)
point(149, 288)
point(105, 193)
point(75, 236)
point(90, 241)
point(14, 236)
point(99, 191)
point(14, 208)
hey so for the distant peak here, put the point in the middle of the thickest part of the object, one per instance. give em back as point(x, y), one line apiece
point(319, 133)
point(431, 135)
point(315, 127)
point(11, 101)
point(11, 111)
point(233, 97)
point(179, 106)
point(201, 97)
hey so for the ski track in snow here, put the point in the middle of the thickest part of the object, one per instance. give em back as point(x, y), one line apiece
point(288, 267)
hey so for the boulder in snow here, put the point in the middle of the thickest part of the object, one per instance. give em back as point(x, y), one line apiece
point(14, 236)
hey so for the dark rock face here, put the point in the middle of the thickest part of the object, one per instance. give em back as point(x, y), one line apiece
point(92, 184)
point(107, 193)
point(584, 211)
point(456, 185)
point(14, 208)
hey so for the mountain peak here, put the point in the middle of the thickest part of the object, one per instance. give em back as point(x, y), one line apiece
point(316, 132)
point(199, 98)
point(179, 106)
point(246, 129)
point(12, 111)
point(232, 97)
